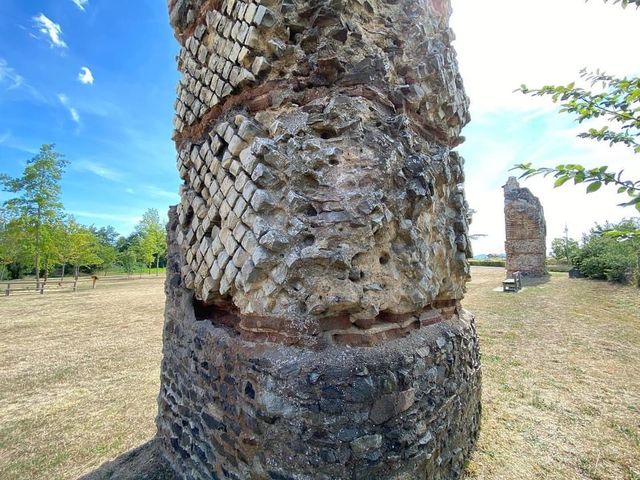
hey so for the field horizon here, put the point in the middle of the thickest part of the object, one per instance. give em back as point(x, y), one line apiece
point(80, 372)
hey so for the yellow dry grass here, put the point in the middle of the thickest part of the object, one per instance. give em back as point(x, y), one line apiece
point(561, 384)
point(79, 375)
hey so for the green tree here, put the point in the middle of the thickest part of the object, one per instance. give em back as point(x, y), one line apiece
point(608, 255)
point(38, 201)
point(107, 239)
point(128, 259)
point(565, 249)
point(51, 246)
point(617, 104)
point(82, 246)
point(107, 235)
point(152, 243)
point(12, 243)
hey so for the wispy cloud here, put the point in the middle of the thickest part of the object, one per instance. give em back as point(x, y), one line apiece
point(51, 29)
point(9, 76)
point(85, 76)
point(99, 170)
point(81, 4)
point(569, 205)
point(110, 217)
point(157, 192)
point(64, 100)
point(497, 56)
point(4, 137)
point(11, 81)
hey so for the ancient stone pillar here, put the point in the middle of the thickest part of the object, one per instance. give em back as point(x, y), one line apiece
point(318, 256)
point(526, 231)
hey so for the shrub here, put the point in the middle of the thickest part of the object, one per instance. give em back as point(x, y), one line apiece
point(487, 263)
point(608, 258)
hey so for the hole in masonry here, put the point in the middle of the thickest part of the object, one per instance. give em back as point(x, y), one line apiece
point(189, 216)
point(249, 391)
point(308, 240)
point(310, 211)
point(216, 222)
point(327, 132)
point(384, 259)
point(220, 314)
point(333, 161)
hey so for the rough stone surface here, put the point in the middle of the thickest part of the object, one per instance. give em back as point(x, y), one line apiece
point(326, 185)
point(526, 231)
point(230, 408)
point(318, 254)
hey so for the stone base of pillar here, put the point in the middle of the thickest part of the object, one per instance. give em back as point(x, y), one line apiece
point(234, 409)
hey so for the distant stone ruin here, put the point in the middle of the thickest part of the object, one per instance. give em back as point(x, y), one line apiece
point(526, 231)
point(318, 256)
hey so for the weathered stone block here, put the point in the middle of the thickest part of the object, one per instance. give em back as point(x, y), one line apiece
point(526, 231)
point(314, 328)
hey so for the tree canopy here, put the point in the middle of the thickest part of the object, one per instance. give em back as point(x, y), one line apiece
point(36, 235)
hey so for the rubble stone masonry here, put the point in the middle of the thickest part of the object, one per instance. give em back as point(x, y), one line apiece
point(526, 231)
point(317, 259)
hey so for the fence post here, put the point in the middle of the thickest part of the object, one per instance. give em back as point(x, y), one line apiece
point(42, 288)
point(8, 290)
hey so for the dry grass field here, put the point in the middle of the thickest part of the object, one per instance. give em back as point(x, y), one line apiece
point(79, 376)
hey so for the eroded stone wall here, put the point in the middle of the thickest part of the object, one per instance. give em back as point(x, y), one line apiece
point(322, 220)
point(322, 182)
point(526, 231)
point(231, 408)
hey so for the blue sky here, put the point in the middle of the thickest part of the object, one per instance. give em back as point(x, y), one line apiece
point(113, 121)
point(116, 130)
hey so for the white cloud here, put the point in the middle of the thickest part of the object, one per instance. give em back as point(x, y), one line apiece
point(4, 137)
point(502, 44)
point(569, 205)
point(155, 191)
point(99, 170)
point(51, 29)
point(64, 100)
point(11, 81)
point(80, 3)
point(110, 217)
point(85, 76)
point(9, 76)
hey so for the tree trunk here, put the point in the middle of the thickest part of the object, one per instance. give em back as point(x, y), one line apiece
point(46, 269)
point(157, 264)
point(38, 248)
point(77, 271)
point(62, 277)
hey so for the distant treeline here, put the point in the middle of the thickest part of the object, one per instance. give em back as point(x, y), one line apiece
point(608, 252)
point(38, 237)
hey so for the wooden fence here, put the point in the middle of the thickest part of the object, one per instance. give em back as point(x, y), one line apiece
point(55, 285)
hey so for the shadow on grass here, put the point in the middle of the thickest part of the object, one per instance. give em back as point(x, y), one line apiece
point(141, 463)
point(535, 281)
